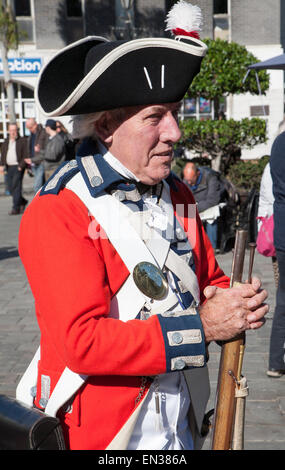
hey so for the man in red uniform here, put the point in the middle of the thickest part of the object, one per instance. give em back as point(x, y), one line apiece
point(127, 290)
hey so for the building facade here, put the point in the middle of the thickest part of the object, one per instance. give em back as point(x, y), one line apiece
point(45, 27)
point(259, 25)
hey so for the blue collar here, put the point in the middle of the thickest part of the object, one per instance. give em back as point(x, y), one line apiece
point(109, 176)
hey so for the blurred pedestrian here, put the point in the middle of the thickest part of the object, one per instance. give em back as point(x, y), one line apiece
point(54, 153)
point(266, 198)
point(265, 209)
point(61, 129)
point(7, 192)
point(13, 154)
point(206, 188)
point(70, 142)
point(36, 145)
point(277, 339)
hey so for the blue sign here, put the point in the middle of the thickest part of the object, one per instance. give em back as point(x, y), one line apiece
point(23, 66)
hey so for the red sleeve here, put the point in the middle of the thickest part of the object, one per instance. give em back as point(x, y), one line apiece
point(72, 291)
point(73, 278)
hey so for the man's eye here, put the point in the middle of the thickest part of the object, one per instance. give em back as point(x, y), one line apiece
point(154, 116)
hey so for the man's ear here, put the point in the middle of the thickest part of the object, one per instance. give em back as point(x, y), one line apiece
point(104, 129)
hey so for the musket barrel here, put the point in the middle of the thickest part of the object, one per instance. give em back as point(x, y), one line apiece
point(252, 247)
point(238, 257)
point(230, 364)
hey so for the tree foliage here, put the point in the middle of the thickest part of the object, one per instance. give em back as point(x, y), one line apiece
point(8, 40)
point(247, 174)
point(222, 138)
point(223, 69)
point(8, 28)
point(222, 72)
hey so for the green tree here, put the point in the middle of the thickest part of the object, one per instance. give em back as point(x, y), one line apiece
point(222, 73)
point(8, 40)
point(222, 139)
point(247, 174)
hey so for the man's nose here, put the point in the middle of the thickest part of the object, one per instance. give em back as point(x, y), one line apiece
point(170, 130)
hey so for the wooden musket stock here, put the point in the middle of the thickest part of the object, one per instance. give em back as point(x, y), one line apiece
point(230, 363)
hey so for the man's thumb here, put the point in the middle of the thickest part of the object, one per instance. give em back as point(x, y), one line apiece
point(210, 291)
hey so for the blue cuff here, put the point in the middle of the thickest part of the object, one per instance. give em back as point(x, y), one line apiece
point(184, 339)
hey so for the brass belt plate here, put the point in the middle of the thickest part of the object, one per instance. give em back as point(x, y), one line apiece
point(150, 280)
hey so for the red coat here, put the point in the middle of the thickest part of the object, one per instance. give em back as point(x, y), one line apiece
point(73, 279)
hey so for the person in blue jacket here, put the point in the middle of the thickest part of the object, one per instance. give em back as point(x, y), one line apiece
point(277, 340)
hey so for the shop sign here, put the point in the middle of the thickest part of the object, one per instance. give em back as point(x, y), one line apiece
point(23, 66)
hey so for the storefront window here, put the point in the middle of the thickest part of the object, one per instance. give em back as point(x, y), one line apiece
point(24, 108)
point(196, 108)
point(204, 106)
point(190, 106)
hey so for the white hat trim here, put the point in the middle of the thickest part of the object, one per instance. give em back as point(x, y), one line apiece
point(70, 46)
point(116, 54)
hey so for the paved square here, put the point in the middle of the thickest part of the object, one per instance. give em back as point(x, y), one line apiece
point(19, 337)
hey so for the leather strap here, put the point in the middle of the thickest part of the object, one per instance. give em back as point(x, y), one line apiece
point(29, 380)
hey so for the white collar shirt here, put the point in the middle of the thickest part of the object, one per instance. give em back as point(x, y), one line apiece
point(11, 158)
point(168, 429)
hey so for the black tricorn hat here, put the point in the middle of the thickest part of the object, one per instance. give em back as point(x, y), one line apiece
point(94, 74)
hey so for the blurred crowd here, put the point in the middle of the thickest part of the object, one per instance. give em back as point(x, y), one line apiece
point(39, 154)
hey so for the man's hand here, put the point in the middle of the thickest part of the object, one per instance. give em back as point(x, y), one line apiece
point(1, 169)
point(28, 161)
point(229, 312)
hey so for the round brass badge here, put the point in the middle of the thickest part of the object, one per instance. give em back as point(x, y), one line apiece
point(150, 280)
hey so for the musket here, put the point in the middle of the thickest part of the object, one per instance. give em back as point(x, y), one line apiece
point(228, 423)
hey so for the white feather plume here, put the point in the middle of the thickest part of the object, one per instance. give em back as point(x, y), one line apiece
point(185, 16)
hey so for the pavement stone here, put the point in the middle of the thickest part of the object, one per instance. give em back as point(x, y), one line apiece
point(19, 337)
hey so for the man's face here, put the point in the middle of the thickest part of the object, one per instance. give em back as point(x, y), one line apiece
point(31, 126)
point(49, 131)
point(190, 174)
point(13, 131)
point(144, 141)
